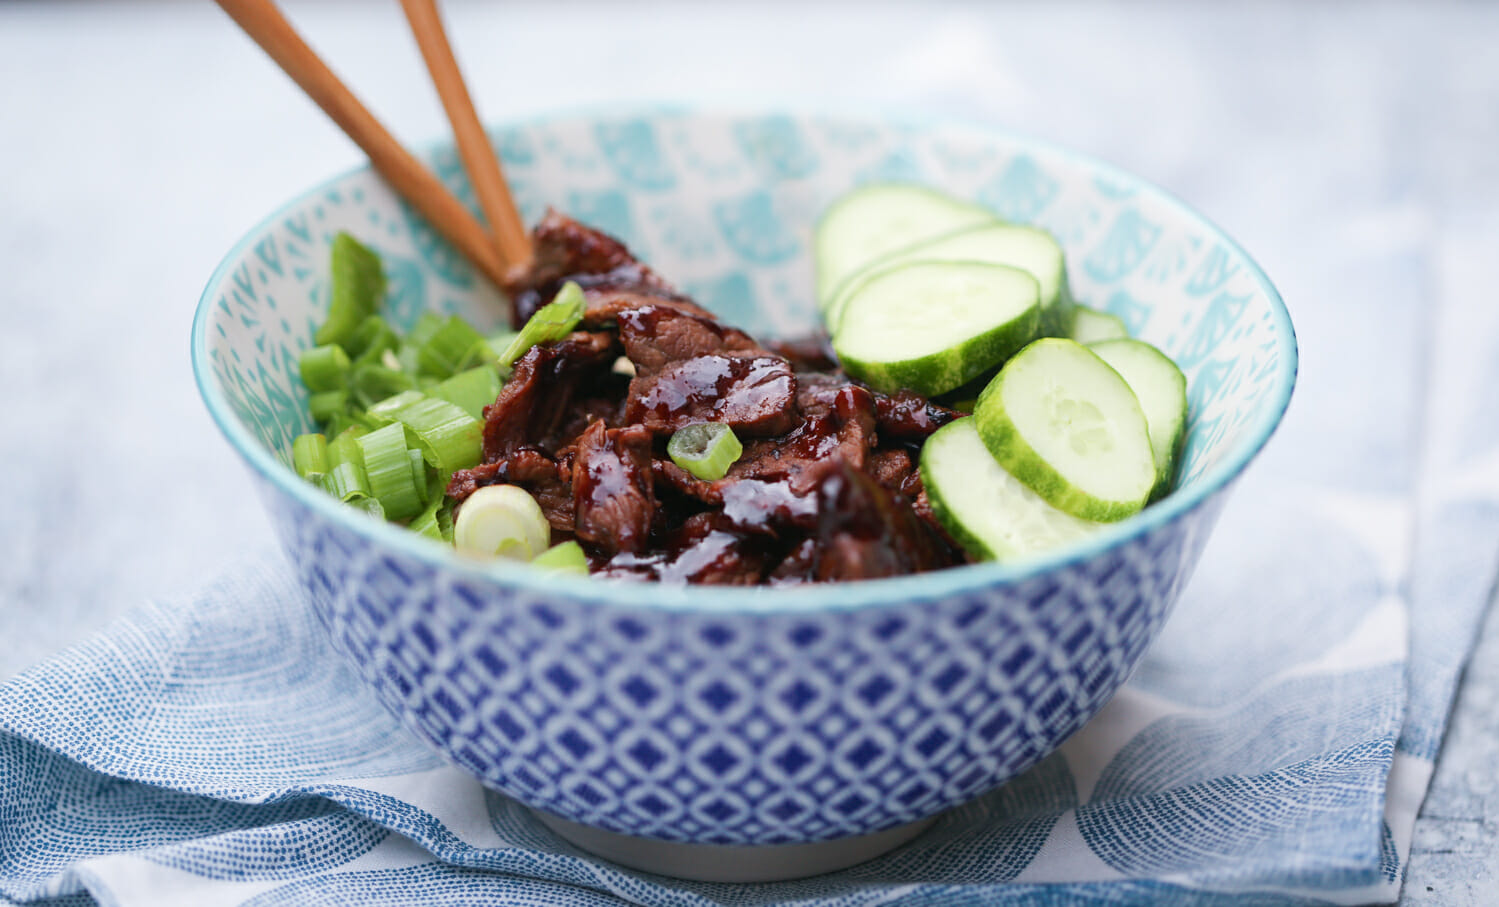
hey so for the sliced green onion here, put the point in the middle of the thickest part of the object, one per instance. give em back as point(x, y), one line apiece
point(356, 283)
point(501, 340)
point(389, 471)
point(382, 413)
point(567, 557)
point(426, 324)
point(344, 448)
point(445, 351)
point(327, 404)
point(425, 523)
point(346, 479)
point(309, 454)
point(371, 340)
point(470, 390)
point(344, 420)
point(368, 505)
point(418, 473)
point(705, 449)
point(501, 521)
point(372, 383)
point(347, 482)
point(449, 438)
point(551, 323)
point(436, 519)
point(324, 368)
point(481, 353)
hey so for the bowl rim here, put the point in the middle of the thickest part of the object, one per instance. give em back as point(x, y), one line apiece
point(727, 600)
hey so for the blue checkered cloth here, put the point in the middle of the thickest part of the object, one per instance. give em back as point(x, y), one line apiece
point(1274, 747)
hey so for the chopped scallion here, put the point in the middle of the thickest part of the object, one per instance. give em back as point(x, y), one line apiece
point(325, 405)
point(369, 506)
point(449, 438)
point(371, 340)
point(309, 455)
point(389, 471)
point(344, 420)
point(383, 413)
point(446, 350)
point(566, 557)
point(426, 324)
point(705, 449)
point(501, 521)
point(356, 283)
point(324, 368)
point(436, 519)
point(418, 473)
point(552, 322)
point(371, 383)
point(470, 390)
point(501, 340)
point(481, 353)
point(346, 479)
point(344, 447)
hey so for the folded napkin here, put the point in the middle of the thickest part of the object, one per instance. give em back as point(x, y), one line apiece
point(1273, 748)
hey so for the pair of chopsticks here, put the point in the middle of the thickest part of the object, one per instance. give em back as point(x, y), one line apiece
point(505, 245)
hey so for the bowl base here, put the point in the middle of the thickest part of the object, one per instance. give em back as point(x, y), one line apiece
point(732, 862)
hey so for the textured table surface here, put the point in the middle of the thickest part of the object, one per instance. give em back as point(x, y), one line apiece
point(1350, 148)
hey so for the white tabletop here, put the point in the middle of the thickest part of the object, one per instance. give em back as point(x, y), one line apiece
point(1350, 148)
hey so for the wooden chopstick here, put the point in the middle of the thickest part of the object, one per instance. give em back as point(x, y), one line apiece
point(263, 22)
point(479, 159)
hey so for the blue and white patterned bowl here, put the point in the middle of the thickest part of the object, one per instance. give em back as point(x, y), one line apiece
point(748, 716)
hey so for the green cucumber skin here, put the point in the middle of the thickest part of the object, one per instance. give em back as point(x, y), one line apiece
point(945, 515)
point(1165, 469)
point(966, 361)
point(1056, 312)
point(1015, 454)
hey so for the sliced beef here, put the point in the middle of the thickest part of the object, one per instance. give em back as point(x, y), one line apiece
point(902, 415)
point(772, 486)
point(654, 336)
point(911, 416)
point(827, 486)
point(753, 394)
point(535, 403)
point(563, 250)
point(757, 506)
point(797, 567)
point(705, 549)
point(813, 353)
point(843, 430)
point(605, 305)
point(866, 532)
point(895, 469)
point(613, 501)
point(547, 479)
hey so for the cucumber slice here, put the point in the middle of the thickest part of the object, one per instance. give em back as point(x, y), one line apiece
point(1059, 419)
point(1027, 248)
point(989, 512)
point(931, 326)
point(872, 221)
point(1089, 325)
point(1161, 389)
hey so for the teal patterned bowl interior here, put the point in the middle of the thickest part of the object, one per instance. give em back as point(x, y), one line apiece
point(724, 204)
point(730, 715)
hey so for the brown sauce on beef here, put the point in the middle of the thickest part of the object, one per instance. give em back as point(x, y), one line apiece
point(827, 488)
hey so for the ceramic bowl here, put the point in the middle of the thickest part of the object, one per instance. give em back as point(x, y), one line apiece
point(712, 716)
